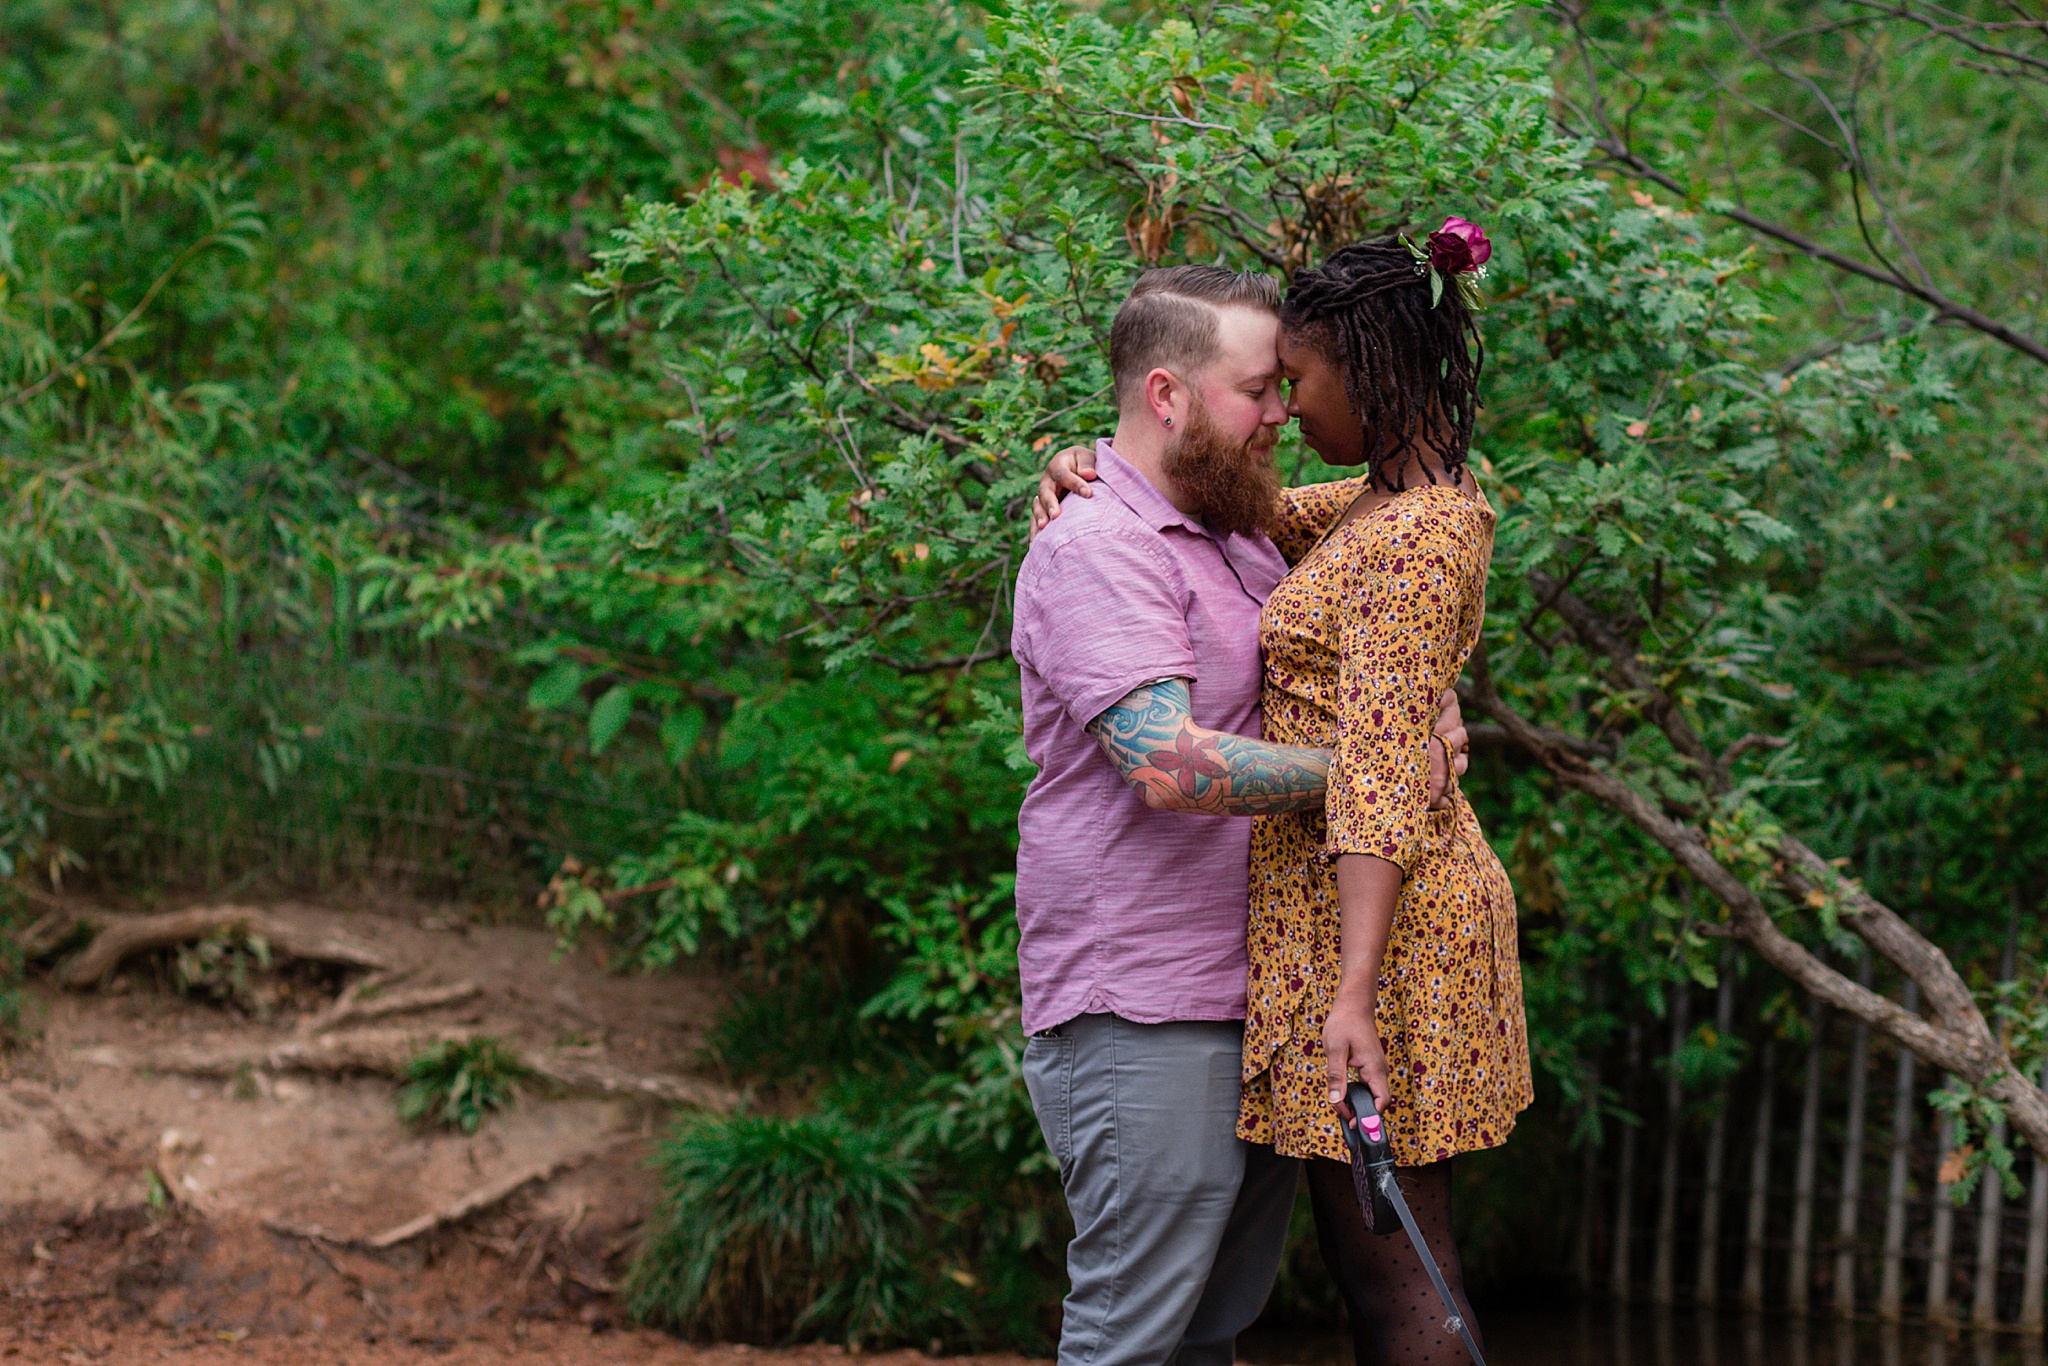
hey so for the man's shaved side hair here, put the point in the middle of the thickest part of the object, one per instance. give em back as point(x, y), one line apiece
point(1170, 321)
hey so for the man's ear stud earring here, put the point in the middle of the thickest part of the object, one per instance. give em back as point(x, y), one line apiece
point(1169, 422)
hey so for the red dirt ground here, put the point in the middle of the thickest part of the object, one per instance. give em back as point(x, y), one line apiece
point(129, 1286)
point(92, 1270)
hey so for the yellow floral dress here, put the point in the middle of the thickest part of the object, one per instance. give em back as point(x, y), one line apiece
point(1375, 620)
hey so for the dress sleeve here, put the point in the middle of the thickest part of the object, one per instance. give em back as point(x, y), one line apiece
point(1309, 511)
point(1400, 646)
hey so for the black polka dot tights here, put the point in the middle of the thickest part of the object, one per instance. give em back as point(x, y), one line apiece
point(1396, 1317)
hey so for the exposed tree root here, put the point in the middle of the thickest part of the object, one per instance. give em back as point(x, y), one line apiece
point(126, 936)
point(494, 1193)
point(356, 1003)
point(47, 932)
point(381, 1052)
point(385, 1053)
point(590, 1075)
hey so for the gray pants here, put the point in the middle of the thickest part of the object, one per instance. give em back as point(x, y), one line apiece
point(1179, 1225)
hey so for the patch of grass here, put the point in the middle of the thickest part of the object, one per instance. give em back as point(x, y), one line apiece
point(775, 1228)
point(789, 1025)
point(457, 1083)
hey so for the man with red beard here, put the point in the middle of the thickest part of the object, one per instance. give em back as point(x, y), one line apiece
point(1137, 616)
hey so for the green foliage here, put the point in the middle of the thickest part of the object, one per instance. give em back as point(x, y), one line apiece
point(118, 522)
point(773, 1228)
point(455, 1084)
point(2018, 1011)
point(872, 407)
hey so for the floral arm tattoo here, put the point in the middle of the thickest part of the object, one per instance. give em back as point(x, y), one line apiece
point(1177, 765)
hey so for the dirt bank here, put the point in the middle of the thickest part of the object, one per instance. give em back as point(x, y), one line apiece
point(182, 1179)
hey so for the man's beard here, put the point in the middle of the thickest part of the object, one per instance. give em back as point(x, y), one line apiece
point(1232, 484)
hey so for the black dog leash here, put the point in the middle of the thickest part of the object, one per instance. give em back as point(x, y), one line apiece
point(1380, 1198)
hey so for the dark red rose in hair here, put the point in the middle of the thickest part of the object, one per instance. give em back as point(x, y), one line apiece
point(1458, 246)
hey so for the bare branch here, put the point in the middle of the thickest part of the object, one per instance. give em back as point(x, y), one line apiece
point(966, 661)
point(117, 331)
point(2036, 68)
point(1621, 155)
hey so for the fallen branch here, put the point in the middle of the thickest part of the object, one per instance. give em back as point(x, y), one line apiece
point(496, 1192)
point(597, 1285)
point(380, 1052)
point(311, 1233)
point(123, 938)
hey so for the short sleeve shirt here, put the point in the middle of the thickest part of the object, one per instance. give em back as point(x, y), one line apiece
point(1121, 908)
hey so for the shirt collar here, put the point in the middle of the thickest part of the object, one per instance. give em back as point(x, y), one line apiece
point(1138, 493)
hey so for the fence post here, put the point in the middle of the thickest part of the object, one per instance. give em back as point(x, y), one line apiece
point(2037, 1242)
point(1990, 1224)
point(1991, 1200)
point(1941, 1239)
point(1759, 1183)
point(1891, 1290)
point(1852, 1161)
point(1799, 1262)
point(1662, 1272)
point(1618, 1279)
point(1589, 1184)
point(1707, 1276)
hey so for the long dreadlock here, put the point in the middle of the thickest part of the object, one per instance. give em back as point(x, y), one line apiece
point(1404, 361)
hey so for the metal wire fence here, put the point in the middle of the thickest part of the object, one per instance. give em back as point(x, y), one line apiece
point(344, 753)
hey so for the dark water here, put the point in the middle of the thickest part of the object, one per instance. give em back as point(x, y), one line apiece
point(1600, 1335)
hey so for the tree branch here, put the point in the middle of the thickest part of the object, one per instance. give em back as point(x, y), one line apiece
point(932, 666)
point(1959, 1040)
point(1602, 639)
point(1960, 33)
point(1621, 155)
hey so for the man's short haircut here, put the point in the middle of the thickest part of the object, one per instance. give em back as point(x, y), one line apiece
point(1170, 321)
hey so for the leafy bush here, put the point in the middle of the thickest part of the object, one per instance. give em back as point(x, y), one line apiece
point(778, 1228)
point(455, 1083)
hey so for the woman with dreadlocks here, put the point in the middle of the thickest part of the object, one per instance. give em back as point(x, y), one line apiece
point(1382, 938)
point(1382, 931)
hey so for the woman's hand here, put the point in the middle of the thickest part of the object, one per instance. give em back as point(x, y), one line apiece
point(1071, 470)
point(1449, 756)
point(1351, 1041)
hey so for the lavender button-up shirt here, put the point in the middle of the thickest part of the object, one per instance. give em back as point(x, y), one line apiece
point(1124, 909)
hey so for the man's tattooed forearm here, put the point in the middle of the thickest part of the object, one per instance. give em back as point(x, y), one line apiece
point(1152, 739)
